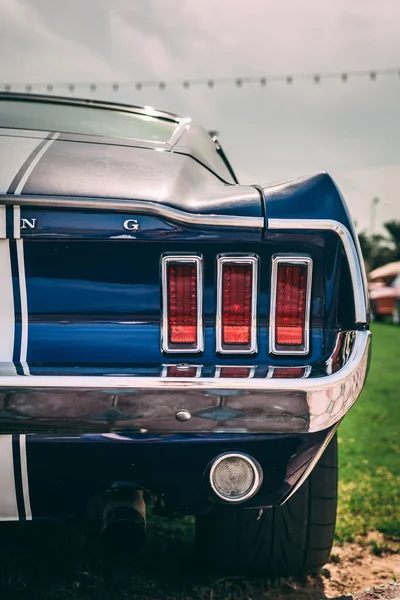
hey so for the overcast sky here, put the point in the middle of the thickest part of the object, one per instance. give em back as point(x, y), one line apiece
point(270, 133)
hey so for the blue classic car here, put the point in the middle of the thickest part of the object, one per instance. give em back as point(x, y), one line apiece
point(167, 333)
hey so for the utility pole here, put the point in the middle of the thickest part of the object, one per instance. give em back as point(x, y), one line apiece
point(372, 215)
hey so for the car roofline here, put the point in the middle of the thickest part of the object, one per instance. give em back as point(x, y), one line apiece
point(139, 110)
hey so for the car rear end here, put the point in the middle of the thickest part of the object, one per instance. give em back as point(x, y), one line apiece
point(202, 346)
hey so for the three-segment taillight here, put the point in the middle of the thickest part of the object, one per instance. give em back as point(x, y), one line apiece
point(182, 282)
point(237, 304)
point(290, 304)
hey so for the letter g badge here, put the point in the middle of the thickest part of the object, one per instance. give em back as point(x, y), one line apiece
point(131, 225)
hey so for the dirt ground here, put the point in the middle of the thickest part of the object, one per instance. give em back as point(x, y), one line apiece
point(390, 591)
point(355, 567)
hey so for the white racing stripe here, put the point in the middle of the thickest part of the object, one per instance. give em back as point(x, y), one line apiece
point(24, 477)
point(24, 133)
point(3, 232)
point(8, 497)
point(7, 315)
point(13, 153)
point(17, 222)
point(33, 164)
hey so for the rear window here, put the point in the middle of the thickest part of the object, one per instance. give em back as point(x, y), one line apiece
point(67, 118)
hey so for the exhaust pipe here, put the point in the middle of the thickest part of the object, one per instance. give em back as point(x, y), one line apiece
point(124, 521)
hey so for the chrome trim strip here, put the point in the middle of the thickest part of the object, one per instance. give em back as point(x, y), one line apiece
point(255, 468)
point(356, 265)
point(290, 259)
point(252, 260)
point(189, 259)
point(359, 353)
point(251, 370)
point(328, 398)
point(311, 465)
point(146, 111)
point(307, 371)
point(165, 367)
point(136, 206)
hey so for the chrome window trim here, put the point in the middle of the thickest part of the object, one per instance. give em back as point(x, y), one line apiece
point(197, 259)
point(252, 370)
point(307, 371)
point(258, 476)
point(145, 111)
point(136, 206)
point(352, 251)
point(247, 259)
point(165, 367)
point(291, 259)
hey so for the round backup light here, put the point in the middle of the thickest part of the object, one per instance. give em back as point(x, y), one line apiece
point(235, 477)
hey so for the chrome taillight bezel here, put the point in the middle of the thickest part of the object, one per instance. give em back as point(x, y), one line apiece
point(166, 347)
point(290, 259)
point(237, 259)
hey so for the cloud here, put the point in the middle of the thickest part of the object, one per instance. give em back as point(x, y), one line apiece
point(37, 48)
point(270, 133)
point(381, 181)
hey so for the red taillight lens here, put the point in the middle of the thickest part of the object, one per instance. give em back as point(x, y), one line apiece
point(176, 371)
point(290, 304)
point(182, 303)
point(236, 372)
point(288, 372)
point(236, 314)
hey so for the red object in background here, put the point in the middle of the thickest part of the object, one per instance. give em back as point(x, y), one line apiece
point(290, 305)
point(182, 303)
point(236, 304)
point(384, 298)
point(384, 292)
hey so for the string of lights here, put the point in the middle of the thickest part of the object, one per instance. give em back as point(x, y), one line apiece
point(316, 78)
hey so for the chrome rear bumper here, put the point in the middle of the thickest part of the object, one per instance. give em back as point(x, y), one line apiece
point(256, 404)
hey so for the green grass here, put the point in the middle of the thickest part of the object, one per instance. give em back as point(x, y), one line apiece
point(369, 446)
point(63, 561)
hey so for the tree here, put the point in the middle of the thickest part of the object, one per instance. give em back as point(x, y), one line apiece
point(393, 228)
point(378, 249)
point(366, 249)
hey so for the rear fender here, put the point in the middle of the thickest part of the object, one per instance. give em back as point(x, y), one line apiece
point(312, 204)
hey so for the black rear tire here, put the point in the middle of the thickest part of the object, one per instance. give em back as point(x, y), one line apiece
point(292, 539)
